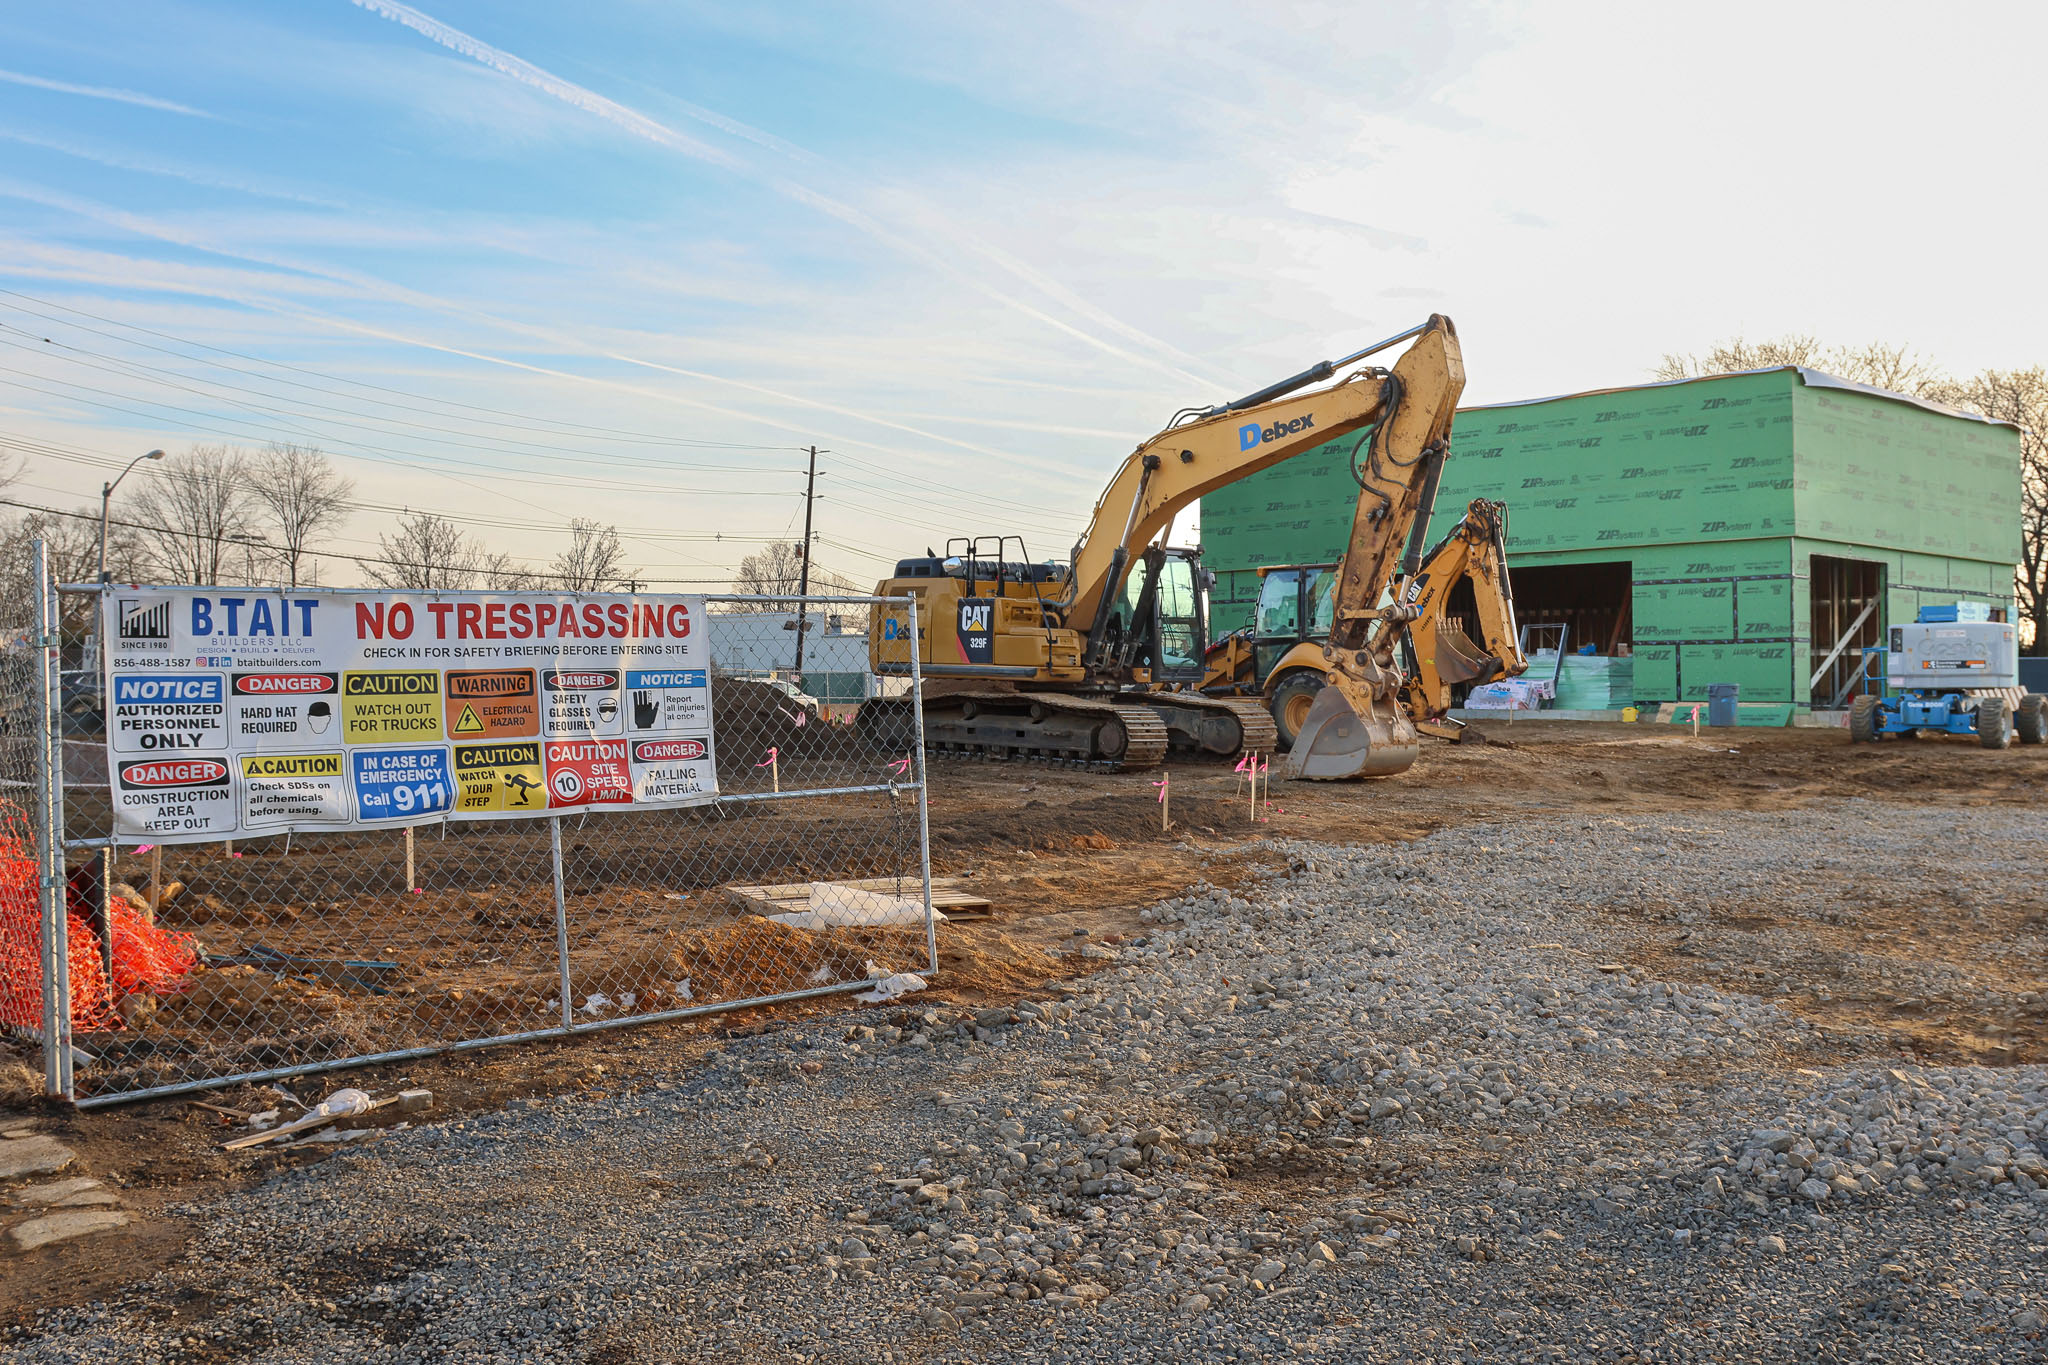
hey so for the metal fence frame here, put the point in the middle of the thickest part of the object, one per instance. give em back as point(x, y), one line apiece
point(60, 1077)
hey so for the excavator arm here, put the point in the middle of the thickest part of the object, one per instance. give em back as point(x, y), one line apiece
point(1357, 725)
point(1220, 445)
point(1443, 654)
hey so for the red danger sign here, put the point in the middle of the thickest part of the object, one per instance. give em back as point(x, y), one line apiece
point(186, 772)
point(668, 750)
point(285, 684)
point(588, 772)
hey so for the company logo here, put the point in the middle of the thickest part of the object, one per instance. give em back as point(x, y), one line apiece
point(1700, 430)
point(893, 629)
point(183, 772)
point(977, 617)
point(1742, 462)
point(1251, 434)
point(1713, 403)
point(283, 684)
point(591, 681)
point(142, 619)
point(1708, 528)
point(1669, 494)
point(1608, 416)
point(668, 750)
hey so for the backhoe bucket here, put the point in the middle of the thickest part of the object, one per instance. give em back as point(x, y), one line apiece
point(1335, 742)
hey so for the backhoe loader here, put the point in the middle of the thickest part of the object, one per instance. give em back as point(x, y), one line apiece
point(1280, 656)
point(1096, 661)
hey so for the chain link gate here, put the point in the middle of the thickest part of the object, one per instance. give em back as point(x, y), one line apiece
point(269, 957)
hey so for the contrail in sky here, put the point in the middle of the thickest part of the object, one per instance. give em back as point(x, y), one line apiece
point(100, 92)
point(661, 134)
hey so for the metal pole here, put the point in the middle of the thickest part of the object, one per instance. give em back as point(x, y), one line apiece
point(803, 585)
point(50, 799)
point(106, 498)
point(924, 794)
point(561, 920)
point(50, 919)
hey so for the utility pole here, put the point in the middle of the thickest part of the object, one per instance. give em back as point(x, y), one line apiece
point(803, 588)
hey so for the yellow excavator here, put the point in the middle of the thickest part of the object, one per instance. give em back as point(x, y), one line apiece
point(1097, 661)
point(1280, 655)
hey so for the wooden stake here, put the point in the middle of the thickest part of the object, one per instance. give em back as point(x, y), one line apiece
point(227, 848)
point(156, 882)
point(412, 881)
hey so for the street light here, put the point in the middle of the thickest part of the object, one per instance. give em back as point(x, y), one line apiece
point(107, 496)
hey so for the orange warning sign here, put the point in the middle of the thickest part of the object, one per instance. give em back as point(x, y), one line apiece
point(493, 703)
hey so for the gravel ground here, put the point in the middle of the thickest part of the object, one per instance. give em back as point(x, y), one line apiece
point(1393, 1103)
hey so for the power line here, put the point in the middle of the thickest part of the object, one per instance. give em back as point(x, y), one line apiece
point(490, 413)
point(324, 554)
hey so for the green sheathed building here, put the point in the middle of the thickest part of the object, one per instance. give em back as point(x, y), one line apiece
point(1735, 529)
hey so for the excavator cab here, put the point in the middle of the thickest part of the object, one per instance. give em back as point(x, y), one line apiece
point(1162, 629)
point(1296, 606)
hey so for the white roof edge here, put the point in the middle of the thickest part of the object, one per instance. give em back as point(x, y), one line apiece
point(1816, 379)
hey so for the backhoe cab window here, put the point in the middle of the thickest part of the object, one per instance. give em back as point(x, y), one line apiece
point(1280, 603)
point(1322, 602)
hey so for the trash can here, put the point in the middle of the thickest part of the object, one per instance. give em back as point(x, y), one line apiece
point(1721, 703)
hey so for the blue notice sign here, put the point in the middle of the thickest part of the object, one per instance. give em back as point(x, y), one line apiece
point(402, 784)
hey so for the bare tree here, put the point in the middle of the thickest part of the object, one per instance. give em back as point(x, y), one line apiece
point(195, 510)
point(300, 495)
point(594, 560)
point(2021, 397)
point(74, 543)
point(502, 573)
point(1897, 369)
point(774, 571)
point(426, 552)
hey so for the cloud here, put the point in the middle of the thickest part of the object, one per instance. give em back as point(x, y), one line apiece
point(99, 92)
point(640, 125)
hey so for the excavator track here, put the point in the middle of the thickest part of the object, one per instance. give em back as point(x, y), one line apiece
point(1204, 727)
point(1028, 727)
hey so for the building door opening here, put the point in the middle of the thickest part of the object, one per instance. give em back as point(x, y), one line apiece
point(1848, 617)
point(1593, 601)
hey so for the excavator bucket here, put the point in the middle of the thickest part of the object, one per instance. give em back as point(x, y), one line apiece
point(1335, 742)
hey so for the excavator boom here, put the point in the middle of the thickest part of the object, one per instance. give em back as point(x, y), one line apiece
point(1031, 662)
point(1356, 726)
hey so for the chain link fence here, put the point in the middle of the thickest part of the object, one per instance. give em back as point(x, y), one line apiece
point(260, 958)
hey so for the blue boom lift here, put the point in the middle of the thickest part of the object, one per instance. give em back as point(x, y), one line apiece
point(1953, 671)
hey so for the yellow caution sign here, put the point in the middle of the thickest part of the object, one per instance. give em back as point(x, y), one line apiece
point(390, 708)
point(494, 777)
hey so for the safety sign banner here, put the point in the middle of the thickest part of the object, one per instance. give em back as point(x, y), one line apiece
point(248, 712)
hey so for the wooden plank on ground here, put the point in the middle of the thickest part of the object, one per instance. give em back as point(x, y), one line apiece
point(789, 897)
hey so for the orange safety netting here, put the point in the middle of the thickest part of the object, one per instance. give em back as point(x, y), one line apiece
point(146, 958)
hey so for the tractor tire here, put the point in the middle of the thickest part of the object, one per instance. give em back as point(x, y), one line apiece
point(1291, 699)
point(2030, 722)
point(1863, 720)
point(1994, 723)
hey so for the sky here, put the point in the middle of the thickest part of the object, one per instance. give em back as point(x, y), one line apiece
point(516, 263)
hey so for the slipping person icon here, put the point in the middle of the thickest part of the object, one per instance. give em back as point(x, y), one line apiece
point(526, 785)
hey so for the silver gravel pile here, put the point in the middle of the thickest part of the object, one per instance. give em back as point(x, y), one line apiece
point(1391, 1103)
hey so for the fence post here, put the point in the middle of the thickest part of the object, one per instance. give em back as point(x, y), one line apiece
point(49, 835)
point(924, 792)
point(561, 920)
